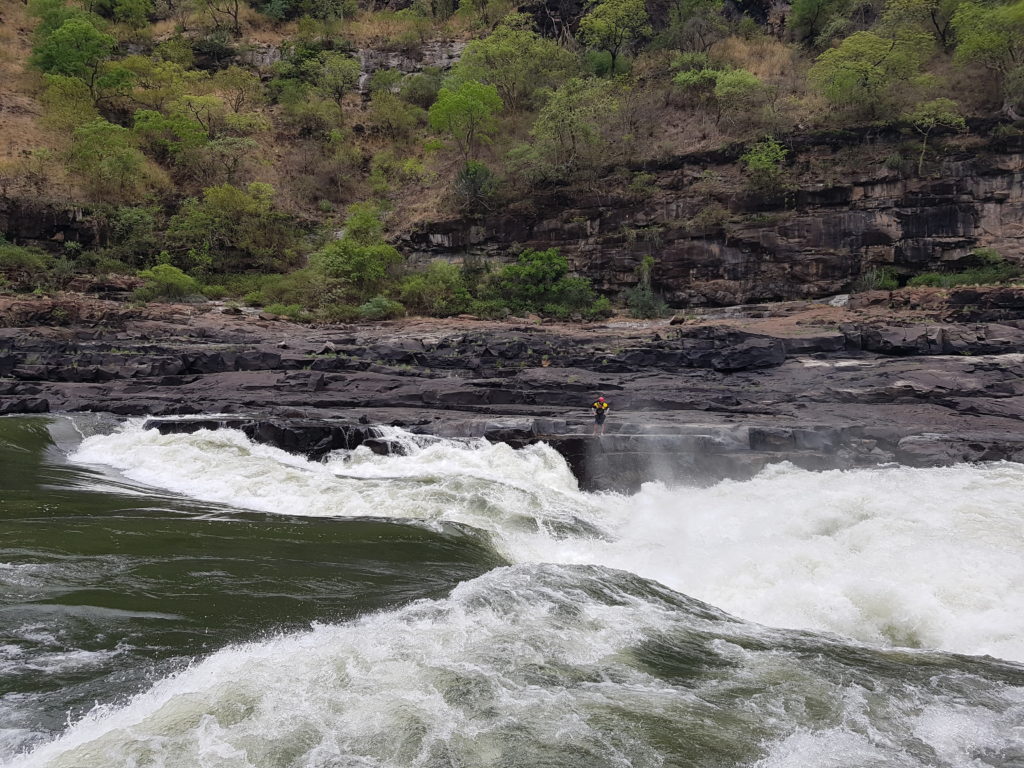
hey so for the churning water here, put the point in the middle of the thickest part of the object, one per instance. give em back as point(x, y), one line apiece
point(200, 600)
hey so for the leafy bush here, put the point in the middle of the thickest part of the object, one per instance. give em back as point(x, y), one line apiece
point(992, 269)
point(24, 268)
point(438, 291)
point(165, 281)
point(489, 309)
point(763, 162)
point(642, 301)
point(381, 308)
point(232, 229)
point(539, 282)
point(421, 90)
point(292, 311)
point(103, 263)
point(360, 261)
point(214, 292)
point(876, 279)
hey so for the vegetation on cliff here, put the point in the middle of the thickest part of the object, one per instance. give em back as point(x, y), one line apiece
point(270, 151)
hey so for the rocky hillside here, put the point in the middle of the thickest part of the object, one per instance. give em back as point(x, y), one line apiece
point(710, 153)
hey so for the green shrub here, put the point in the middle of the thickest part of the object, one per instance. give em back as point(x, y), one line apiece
point(24, 268)
point(489, 309)
point(876, 279)
point(361, 260)
point(214, 292)
point(102, 263)
point(539, 282)
point(381, 308)
point(165, 281)
point(292, 288)
point(438, 291)
point(421, 89)
point(927, 279)
point(292, 311)
point(474, 186)
point(763, 162)
point(990, 275)
point(644, 304)
point(337, 313)
point(600, 309)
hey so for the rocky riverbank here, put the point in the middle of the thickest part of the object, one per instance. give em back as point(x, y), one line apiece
point(923, 377)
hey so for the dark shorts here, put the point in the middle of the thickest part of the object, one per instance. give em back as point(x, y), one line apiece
point(599, 417)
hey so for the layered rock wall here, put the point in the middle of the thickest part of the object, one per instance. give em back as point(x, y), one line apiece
point(805, 243)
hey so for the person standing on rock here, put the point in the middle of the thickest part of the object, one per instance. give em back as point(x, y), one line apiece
point(600, 409)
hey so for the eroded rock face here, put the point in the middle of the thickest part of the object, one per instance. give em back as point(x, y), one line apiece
point(814, 242)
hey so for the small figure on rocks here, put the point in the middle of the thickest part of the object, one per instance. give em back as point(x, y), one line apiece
point(600, 409)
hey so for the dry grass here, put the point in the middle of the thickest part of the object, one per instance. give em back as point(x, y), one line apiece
point(28, 149)
point(771, 60)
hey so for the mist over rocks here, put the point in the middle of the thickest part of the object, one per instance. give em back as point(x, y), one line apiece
point(721, 395)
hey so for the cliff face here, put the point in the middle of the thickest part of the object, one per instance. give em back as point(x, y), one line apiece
point(718, 247)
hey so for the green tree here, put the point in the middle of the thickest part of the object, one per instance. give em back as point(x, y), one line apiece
point(808, 19)
point(76, 49)
point(168, 137)
point(863, 74)
point(134, 13)
point(613, 25)
point(360, 262)
point(240, 88)
point(165, 281)
point(929, 115)
point(149, 83)
point(466, 113)
point(338, 74)
point(104, 156)
point(572, 133)
point(52, 15)
point(694, 25)
point(930, 16)
point(736, 94)
point(642, 301)
point(517, 61)
point(232, 229)
point(394, 117)
point(993, 36)
point(69, 102)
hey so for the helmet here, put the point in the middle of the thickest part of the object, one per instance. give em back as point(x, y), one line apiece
point(600, 399)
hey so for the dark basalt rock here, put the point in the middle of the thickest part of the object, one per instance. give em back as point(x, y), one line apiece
point(690, 404)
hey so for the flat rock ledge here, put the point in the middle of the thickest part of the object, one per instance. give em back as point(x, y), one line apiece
point(921, 378)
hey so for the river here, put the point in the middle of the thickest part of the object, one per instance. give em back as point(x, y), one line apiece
point(187, 601)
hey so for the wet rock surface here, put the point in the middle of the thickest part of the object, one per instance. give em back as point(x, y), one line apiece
point(717, 396)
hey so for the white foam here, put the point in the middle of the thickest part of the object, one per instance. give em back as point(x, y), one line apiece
point(528, 666)
point(918, 557)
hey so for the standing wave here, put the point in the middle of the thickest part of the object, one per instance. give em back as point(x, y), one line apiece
point(927, 558)
point(557, 666)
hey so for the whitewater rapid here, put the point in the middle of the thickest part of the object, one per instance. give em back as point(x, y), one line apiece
point(563, 666)
point(795, 620)
point(924, 558)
